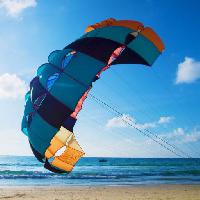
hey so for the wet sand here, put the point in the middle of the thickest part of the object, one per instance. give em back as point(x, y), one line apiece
point(159, 192)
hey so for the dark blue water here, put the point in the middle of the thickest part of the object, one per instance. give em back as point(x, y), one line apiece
point(89, 171)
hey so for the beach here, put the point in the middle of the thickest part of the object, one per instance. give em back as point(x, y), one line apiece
point(156, 192)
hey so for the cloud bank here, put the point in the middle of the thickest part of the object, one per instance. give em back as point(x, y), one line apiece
point(11, 86)
point(182, 136)
point(14, 8)
point(188, 71)
point(121, 122)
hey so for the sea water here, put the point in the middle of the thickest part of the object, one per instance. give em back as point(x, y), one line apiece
point(27, 171)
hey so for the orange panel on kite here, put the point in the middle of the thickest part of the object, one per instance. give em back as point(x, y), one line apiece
point(153, 37)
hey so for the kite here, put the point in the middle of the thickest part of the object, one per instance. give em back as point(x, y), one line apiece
point(62, 84)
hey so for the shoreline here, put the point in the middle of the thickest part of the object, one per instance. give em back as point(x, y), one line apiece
point(99, 186)
point(136, 192)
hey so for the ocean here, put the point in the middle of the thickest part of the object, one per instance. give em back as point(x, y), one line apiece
point(27, 171)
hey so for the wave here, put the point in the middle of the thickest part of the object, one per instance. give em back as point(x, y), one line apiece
point(24, 174)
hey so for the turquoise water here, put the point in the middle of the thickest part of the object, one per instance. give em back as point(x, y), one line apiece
point(28, 171)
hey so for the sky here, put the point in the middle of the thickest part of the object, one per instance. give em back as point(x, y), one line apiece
point(163, 99)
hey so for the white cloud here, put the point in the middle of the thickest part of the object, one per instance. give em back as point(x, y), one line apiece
point(11, 86)
point(165, 120)
point(192, 137)
point(188, 71)
point(178, 132)
point(120, 122)
point(181, 136)
point(146, 125)
point(15, 7)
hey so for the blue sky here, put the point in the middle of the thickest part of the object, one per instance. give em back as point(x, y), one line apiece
point(164, 99)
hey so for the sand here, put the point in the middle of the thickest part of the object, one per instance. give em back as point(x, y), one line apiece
point(160, 192)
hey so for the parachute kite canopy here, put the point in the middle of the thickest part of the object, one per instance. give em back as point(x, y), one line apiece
point(58, 91)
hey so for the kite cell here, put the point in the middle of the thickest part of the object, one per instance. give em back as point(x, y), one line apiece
point(62, 84)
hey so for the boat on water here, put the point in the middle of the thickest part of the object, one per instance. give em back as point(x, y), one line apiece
point(102, 160)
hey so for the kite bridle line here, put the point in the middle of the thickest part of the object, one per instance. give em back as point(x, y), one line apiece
point(134, 125)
